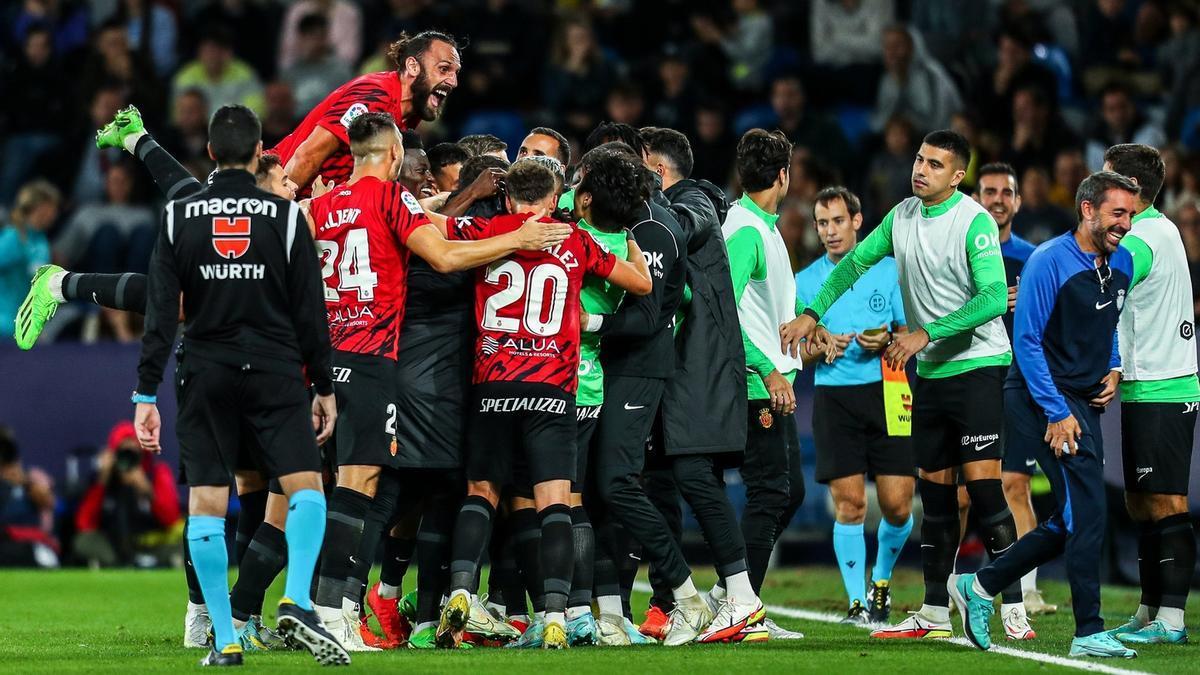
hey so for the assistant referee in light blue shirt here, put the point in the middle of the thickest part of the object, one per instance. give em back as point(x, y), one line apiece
point(849, 422)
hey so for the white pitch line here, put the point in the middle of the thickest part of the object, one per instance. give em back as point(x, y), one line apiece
point(827, 617)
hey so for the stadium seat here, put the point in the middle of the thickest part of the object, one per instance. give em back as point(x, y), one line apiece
point(1189, 131)
point(855, 122)
point(1056, 60)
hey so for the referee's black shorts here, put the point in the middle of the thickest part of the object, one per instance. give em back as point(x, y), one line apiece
point(221, 407)
point(850, 432)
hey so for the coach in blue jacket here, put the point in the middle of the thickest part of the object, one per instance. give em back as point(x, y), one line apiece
point(1066, 369)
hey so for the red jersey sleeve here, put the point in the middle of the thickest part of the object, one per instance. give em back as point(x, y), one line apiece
point(402, 210)
point(469, 228)
point(359, 96)
point(596, 260)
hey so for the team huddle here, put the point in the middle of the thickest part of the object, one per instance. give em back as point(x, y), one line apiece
point(472, 362)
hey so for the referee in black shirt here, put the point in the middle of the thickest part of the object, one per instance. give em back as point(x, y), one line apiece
point(245, 263)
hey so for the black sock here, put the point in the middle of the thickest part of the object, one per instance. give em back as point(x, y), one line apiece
point(472, 531)
point(397, 556)
point(605, 579)
point(629, 558)
point(1177, 553)
point(939, 539)
point(527, 536)
point(997, 528)
point(1148, 567)
point(171, 177)
point(117, 291)
point(433, 552)
point(195, 596)
point(379, 516)
point(254, 510)
point(343, 533)
point(585, 558)
point(556, 555)
point(265, 558)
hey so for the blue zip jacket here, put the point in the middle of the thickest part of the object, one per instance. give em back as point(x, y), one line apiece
point(1064, 338)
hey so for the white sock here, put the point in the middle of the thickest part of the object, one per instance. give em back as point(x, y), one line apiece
point(422, 626)
point(935, 614)
point(238, 625)
point(131, 141)
point(1145, 614)
point(199, 607)
point(1029, 582)
point(389, 591)
point(539, 616)
point(739, 589)
point(717, 592)
point(54, 284)
point(1005, 607)
point(576, 612)
point(1171, 616)
point(980, 591)
point(555, 617)
point(330, 616)
point(610, 605)
point(685, 591)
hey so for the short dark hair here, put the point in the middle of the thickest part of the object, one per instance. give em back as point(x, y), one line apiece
point(265, 164)
point(311, 23)
point(473, 166)
point(366, 127)
point(564, 146)
point(416, 45)
point(760, 156)
point(1115, 87)
point(1095, 187)
point(479, 144)
point(834, 192)
point(619, 147)
point(672, 145)
point(443, 155)
point(614, 131)
point(8, 447)
point(411, 140)
point(527, 182)
point(618, 187)
point(233, 134)
point(999, 169)
point(1142, 163)
point(951, 141)
point(218, 34)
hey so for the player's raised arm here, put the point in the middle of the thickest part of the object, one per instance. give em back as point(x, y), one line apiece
point(303, 166)
point(445, 255)
point(632, 273)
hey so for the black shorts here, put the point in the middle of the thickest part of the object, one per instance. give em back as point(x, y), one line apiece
point(1018, 457)
point(587, 418)
point(958, 419)
point(521, 425)
point(850, 432)
point(1156, 446)
point(220, 405)
point(365, 433)
point(433, 384)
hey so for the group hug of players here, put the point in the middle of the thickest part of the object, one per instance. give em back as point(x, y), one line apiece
point(632, 338)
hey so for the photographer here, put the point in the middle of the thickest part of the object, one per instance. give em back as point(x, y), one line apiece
point(130, 514)
point(26, 511)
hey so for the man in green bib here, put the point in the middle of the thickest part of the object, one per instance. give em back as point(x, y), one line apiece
point(947, 250)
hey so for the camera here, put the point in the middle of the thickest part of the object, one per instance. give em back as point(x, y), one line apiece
point(127, 459)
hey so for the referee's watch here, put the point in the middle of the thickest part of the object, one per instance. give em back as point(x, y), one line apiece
point(143, 398)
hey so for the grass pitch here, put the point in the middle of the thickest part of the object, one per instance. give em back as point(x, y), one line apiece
point(132, 622)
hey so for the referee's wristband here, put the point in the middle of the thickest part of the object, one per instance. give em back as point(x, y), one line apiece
point(143, 398)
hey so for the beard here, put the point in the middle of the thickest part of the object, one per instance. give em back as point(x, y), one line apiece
point(422, 89)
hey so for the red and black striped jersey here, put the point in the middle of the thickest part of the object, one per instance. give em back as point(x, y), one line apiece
point(527, 305)
point(373, 92)
point(361, 234)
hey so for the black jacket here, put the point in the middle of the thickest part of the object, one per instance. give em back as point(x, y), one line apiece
point(252, 292)
point(703, 409)
point(639, 337)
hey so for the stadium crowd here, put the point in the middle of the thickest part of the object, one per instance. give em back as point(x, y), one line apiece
point(927, 109)
point(1014, 76)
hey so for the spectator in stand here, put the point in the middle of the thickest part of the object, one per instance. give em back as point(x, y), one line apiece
point(187, 137)
point(806, 127)
point(88, 187)
point(24, 247)
point(889, 177)
point(625, 104)
point(954, 31)
point(223, 78)
point(26, 511)
point(1109, 51)
point(713, 146)
point(246, 19)
point(1039, 219)
point(130, 514)
point(1119, 121)
point(1069, 171)
point(1180, 182)
point(316, 71)
point(966, 124)
point(280, 118)
point(1015, 69)
point(67, 22)
point(113, 62)
point(914, 84)
point(675, 102)
point(578, 76)
point(1038, 132)
point(151, 29)
point(846, 40)
point(1187, 219)
point(345, 30)
point(446, 160)
point(34, 110)
point(747, 45)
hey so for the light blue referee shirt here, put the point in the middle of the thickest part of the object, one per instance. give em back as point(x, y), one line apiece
point(873, 300)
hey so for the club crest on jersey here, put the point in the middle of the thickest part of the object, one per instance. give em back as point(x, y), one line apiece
point(765, 419)
point(352, 112)
point(231, 236)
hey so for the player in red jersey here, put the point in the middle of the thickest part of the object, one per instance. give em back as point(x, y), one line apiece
point(365, 229)
point(525, 376)
point(427, 66)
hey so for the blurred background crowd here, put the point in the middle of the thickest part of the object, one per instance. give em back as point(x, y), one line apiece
point(1045, 85)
